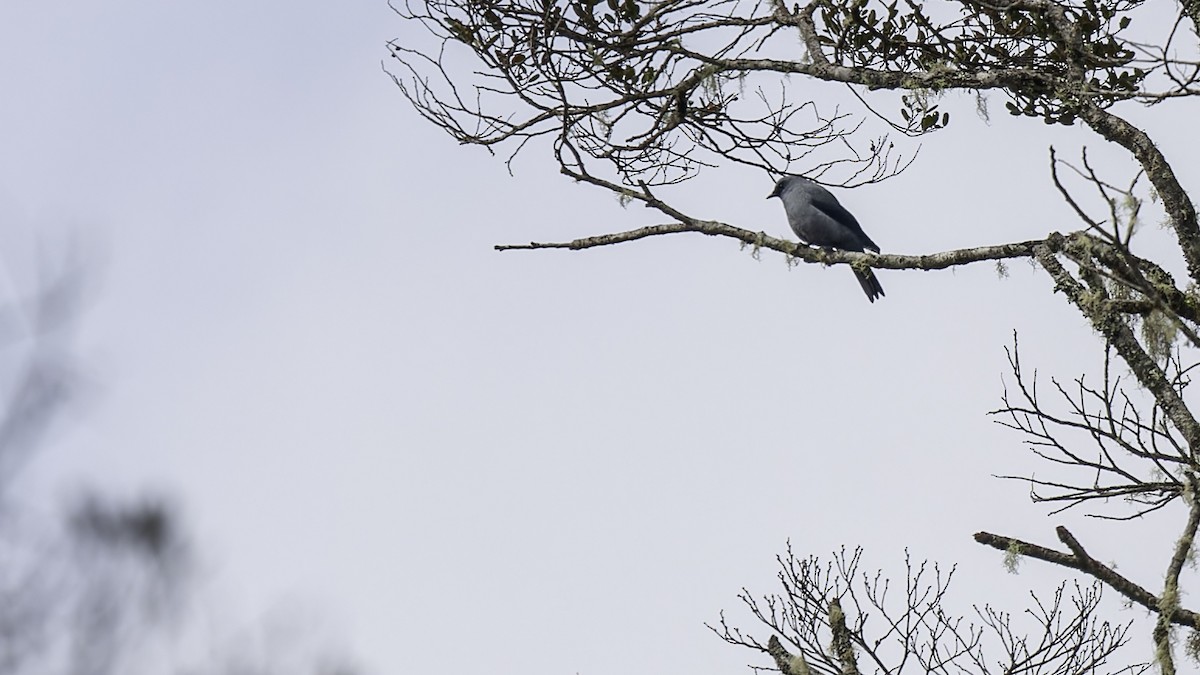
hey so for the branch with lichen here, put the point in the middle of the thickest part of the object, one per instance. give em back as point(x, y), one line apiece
point(1168, 604)
point(1095, 304)
point(785, 661)
point(1079, 559)
point(1179, 206)
point(760, 240)
point(842, 646)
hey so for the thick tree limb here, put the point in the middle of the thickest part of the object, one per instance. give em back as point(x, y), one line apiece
point(1170, 597)
point(1080, 560)
point(1175, 199)
point(784, 660)
point(843, 649)
point(1006, 78)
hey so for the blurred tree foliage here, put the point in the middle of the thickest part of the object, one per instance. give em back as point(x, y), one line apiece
point(108, 587)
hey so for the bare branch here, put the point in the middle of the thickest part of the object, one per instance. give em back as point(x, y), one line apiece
point(834, 617)
point(1079, 560)
point(934, 261)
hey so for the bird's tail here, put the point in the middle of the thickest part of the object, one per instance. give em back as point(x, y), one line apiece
point(870, 284)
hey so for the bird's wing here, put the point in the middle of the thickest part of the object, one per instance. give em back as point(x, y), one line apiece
point(826, 203)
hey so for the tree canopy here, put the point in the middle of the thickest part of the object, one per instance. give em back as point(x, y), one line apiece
point(634, 97)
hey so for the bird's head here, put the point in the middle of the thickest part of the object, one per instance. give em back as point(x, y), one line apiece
point(784, 183)
point(779, 187)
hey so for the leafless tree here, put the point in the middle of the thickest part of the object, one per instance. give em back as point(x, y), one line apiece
point(836, 618)
point(634, 96)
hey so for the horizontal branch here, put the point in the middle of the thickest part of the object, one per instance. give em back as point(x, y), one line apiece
point(933, 261)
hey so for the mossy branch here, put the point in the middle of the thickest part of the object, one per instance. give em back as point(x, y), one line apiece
point(1079, 559)
point(933, 261)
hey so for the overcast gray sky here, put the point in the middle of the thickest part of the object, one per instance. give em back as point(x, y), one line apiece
point(533, 462)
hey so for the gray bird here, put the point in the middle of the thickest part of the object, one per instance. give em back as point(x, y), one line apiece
point(819, 220)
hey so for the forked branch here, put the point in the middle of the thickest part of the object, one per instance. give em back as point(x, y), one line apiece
point(1079, 559)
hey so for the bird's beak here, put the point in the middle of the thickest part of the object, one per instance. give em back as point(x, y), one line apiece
point(774, 193)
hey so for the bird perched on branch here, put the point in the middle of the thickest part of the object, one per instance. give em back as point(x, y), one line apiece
point(819, 220)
